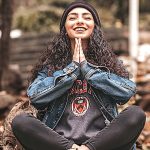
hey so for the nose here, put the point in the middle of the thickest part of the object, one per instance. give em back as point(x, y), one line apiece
point(80, 20)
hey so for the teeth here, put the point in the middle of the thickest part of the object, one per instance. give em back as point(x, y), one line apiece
point(80, 29)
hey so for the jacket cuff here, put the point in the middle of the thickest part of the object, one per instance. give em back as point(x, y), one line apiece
point(87, 69)
point(72, 69)
point(78, 64)
point(89, 145)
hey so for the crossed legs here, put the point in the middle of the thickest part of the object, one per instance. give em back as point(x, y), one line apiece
point(121, 134)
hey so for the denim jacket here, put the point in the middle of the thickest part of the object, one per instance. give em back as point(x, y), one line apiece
point(51, 92)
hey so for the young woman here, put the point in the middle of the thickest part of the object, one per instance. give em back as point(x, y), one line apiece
point(79, 81)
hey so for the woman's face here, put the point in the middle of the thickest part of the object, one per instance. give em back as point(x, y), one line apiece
point(79, 23)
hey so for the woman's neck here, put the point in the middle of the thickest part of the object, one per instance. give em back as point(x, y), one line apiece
point(84, 44)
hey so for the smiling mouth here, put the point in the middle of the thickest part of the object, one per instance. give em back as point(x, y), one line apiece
point(80, 29)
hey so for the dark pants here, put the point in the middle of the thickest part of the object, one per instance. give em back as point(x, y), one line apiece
point(121, 134)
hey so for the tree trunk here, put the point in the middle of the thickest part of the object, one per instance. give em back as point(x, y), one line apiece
point(122, 10)
point(6, 17)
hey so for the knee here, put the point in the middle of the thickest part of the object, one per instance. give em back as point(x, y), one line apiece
point(136, 117)
point(20, 123)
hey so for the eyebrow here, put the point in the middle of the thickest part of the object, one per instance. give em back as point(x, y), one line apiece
point(77, 14)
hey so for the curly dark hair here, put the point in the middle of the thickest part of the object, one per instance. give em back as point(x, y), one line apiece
point(58, 54)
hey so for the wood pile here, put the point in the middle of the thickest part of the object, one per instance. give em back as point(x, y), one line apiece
point(142, 97)
point(143, 83)
point(7, 101)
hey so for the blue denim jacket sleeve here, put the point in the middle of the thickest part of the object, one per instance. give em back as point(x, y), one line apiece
point(120, 89)
point(46, 88)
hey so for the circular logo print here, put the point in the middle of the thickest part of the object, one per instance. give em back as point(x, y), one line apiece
point(80, 105)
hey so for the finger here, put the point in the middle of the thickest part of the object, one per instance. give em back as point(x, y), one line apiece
point(82, 56)
point(79, 41)
point(81, 49)
point(76, 45)
point(76, 51)
point(80, 46)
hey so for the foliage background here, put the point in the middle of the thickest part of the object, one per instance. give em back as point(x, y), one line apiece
point(44, 15)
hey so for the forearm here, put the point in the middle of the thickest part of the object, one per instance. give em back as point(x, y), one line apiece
point(52, 93)
point(120, 89)
point(47, 88)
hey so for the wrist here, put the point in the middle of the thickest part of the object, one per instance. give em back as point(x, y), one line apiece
point(77, 63)
point(82, 59)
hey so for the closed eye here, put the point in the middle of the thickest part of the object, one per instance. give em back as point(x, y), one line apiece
point(87, 18)
point(72, 18)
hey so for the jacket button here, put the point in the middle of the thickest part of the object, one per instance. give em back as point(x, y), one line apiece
point(54, 121)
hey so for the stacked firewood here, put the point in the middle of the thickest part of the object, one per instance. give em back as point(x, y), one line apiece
point(143, 84)
point(142, 97)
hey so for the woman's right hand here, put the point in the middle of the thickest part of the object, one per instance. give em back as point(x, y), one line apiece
point(76, 54)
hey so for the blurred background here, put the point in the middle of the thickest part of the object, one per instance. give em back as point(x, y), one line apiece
point(26, 26)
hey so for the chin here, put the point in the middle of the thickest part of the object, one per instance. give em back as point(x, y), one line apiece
point(79, 36)
point(82, 37)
